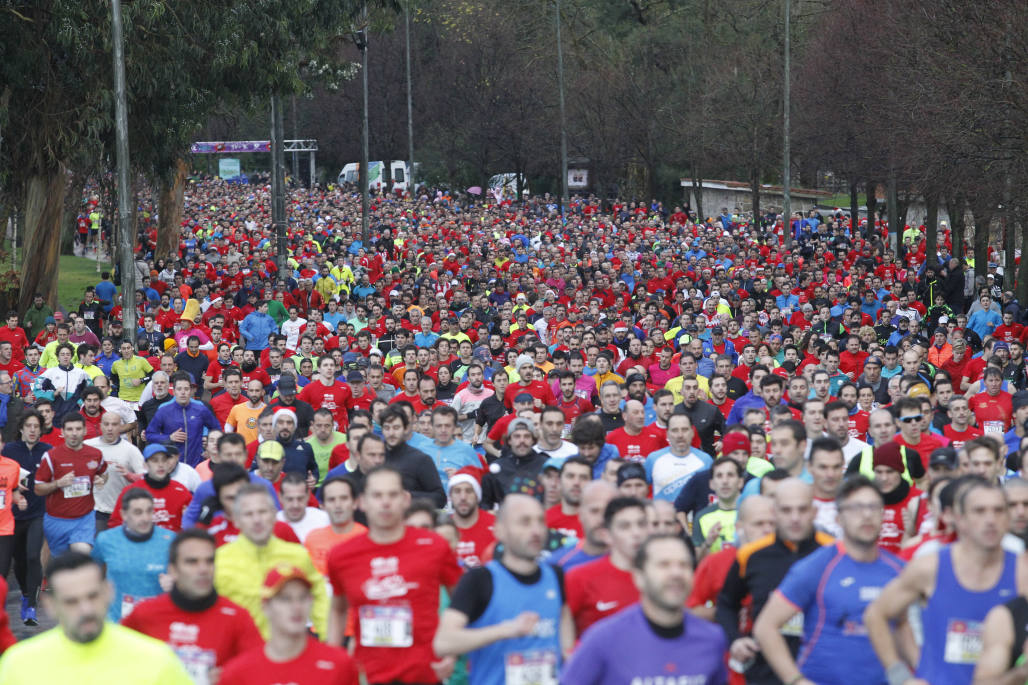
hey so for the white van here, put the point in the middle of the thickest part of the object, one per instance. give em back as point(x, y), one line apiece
point(399, 171)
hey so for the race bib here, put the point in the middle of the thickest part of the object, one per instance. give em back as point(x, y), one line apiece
point(993, 427)
point(198, 662)
point(386, 626)
point(793, 627)
point(963, 642)
point(537, 667)
point(3, 500)
point(79, 488)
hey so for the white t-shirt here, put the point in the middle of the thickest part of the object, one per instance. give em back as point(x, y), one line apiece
point(312, 520)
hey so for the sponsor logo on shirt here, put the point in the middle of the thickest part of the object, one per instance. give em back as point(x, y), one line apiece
point(183, 632)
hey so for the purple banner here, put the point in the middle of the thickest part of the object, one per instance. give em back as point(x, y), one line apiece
point(229, 146)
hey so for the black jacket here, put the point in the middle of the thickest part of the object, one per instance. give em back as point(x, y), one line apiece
point(707, 420)
point(758, 569)
point(420, 477)
point(503, 472)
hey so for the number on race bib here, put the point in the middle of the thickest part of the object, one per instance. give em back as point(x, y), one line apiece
point(386, 626)
point(963, 642)
point(79, 488)
point(537, 667)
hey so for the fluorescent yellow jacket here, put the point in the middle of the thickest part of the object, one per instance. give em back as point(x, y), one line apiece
point(241, 566)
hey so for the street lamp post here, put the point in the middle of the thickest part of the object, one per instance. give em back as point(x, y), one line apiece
point(563, 118)
point(786, 165)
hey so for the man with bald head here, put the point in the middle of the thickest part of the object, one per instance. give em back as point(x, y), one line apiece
point(635, 440)
point(759, 568)
point(593, 545)
point(513, 598)
point(756, 518)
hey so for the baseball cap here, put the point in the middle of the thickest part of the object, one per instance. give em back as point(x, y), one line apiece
point(873, 360)
point(271, 449)
point(156, 448)
point(631, 471)
point(944, 456)
point(280, 575)
point(286, 384)
point(1020, 399)
point(735, 441)
point(635, 378)
point(524, 397)
point(517, 424)
point(717, 330)
point(354, 377)
point(1001, 345)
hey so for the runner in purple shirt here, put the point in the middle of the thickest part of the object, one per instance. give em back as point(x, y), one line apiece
point(655, 640)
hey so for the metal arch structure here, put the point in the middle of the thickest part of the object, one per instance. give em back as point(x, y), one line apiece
point(224, 147)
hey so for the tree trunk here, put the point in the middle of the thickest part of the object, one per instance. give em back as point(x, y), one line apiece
point(955, 209)
point(982, 225)
point(169, 210)
point(1021, 287)
point(697, 191)
point(931, 228)
point(755, 189)
point(1009, 246)
point(854, 210)
point(44, 207)
point(892, 208)
point(871, 201)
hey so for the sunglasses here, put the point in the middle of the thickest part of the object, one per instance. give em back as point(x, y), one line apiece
point(911, 419)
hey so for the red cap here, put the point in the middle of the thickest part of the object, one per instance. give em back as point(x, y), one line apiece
point(278, 576)
point(735, 441)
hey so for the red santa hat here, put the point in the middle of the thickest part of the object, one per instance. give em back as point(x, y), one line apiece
point(470, 475)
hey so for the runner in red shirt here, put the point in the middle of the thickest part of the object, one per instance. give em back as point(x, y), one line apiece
point(474, 526)
point(604, 587)
point(562, 517)
point(993, 409)
point(391, 577)
point(170, 498)
point(66, 477)
point(959, 430)
point(571, 404)
point(222, 403)
point(292, 654)
point(635, 440)
point(204, 630)
point(539, 390)
point(324, 392)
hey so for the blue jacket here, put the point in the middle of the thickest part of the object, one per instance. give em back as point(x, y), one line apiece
point(748, 401)
point(710, 353)
point(206, 490)
point(256, 328)
point(192, 418)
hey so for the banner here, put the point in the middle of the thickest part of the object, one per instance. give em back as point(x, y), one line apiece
point(217, 148)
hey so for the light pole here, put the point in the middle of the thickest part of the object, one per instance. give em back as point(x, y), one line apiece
point(563, 118)
point(410, 103)
point(278, 196)
point(126, 235)
point(365, 199)
point(786, 166)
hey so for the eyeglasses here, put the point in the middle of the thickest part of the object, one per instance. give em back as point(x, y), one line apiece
point(911, 419)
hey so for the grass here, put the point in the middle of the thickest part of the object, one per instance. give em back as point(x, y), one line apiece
point(75, 274)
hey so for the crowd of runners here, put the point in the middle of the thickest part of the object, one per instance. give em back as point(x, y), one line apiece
point(495, 444)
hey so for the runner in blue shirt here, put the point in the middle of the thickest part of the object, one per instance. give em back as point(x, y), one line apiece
point(831, 588)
